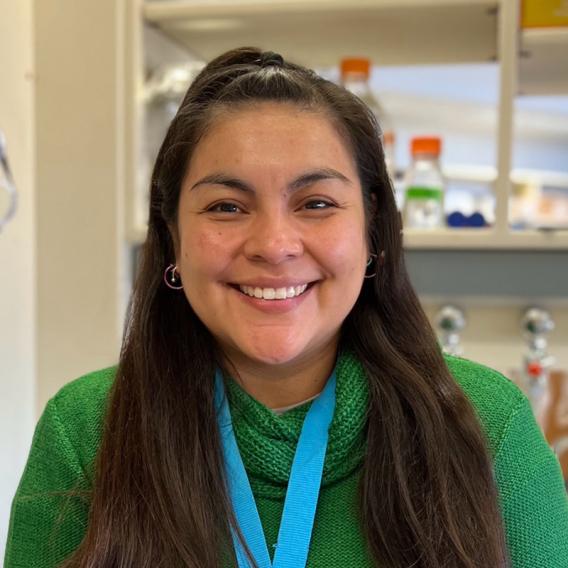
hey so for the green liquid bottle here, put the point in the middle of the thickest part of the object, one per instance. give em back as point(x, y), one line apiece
point(424, 186)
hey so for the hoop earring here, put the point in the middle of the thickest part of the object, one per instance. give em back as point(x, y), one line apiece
point(370, 262)
point(377, 260)
point(174, 278)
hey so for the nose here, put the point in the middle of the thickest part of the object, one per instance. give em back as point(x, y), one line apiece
point(273, 239)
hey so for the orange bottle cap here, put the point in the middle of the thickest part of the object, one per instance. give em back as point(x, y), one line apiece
point(426, 145)
point(355, 65)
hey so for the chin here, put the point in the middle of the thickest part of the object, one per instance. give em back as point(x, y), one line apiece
point(273, 354)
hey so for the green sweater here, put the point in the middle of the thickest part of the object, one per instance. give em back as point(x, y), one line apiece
point(45, 528)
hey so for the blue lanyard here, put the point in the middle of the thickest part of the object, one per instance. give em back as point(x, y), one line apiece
point(303, 486)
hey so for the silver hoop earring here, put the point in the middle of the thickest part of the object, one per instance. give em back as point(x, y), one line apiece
point(370, 262)
point(172, 278)
point(378, 260)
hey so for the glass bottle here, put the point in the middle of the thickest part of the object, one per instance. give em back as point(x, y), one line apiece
point(424, 186)
point(355, 73)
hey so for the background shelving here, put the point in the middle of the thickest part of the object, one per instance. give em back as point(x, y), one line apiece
point(544, 62)
point(318, 33)
point(480, 37)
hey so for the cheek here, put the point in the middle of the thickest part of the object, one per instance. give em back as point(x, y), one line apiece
point(344, 247)
point(203, 251)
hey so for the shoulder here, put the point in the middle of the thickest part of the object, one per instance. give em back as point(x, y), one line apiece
point(79, 408)
point(87, 392)
point(485, 386)
point(495, 398)
point(59, 473)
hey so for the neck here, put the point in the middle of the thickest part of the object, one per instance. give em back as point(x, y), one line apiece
point(278, 386)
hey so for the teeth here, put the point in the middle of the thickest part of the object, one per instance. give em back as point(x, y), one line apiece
point(273, 293)
point(280, 293)
point(268, 293)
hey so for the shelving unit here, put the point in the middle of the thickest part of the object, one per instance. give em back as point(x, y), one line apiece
point(317, 33)
point(544, 62)
point(393, 32)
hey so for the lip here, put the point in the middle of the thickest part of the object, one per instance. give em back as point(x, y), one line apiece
point(274, 306)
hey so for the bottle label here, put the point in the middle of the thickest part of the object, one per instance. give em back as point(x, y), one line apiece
point(416, 192)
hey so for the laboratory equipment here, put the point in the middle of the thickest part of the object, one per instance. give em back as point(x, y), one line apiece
point(424, 183)
point(450, 322)
point(355, 73)
point(536, 324)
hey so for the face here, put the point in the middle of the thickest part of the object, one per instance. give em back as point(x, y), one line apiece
point(270, 237)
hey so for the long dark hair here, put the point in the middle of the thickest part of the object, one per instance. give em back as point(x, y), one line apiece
point(427, 494)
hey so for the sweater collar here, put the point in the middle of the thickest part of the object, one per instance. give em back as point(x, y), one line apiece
point(267, 441)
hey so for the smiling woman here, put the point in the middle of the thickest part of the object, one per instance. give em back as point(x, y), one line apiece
point(281, 399)
point(277, 218)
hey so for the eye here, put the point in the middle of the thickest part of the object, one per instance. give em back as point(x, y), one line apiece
point(224, 207)
point(318, 204)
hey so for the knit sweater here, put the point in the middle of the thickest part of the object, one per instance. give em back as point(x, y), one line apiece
point(46, 527)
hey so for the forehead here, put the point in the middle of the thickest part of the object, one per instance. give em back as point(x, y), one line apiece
point(277, 134)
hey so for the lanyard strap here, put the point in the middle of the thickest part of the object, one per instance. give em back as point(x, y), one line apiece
point(303, 486)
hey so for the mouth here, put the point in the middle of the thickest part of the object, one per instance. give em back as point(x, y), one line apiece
point(273, 294)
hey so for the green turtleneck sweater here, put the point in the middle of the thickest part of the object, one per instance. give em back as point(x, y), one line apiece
point(45, 528)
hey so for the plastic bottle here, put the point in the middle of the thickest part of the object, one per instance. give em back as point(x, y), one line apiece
point(424, 183)
point(355, 72)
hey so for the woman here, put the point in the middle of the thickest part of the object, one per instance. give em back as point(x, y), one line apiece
point(273, 295)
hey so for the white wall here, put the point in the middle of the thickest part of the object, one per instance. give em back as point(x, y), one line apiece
point(17, 273)
point(61, 104)
point(79, 127)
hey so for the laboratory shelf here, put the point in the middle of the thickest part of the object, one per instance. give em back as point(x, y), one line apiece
point(543, 65)
point(317, 33)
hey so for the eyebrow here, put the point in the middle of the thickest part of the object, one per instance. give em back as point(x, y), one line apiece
point(301, 181)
